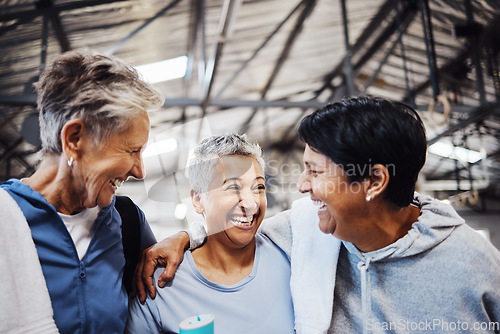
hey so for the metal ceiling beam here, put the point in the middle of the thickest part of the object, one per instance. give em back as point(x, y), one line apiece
point(226, 24)
point(292, 38)
point(11, 117)
point(197, 19)
point(228, 18)
point(349, 75)
point(44, 43)
point(117, 45)
point(460, 59)
point(45, 6)
point(403, 20)
point(404, 58)
point(202, 48)
point(10, 150)
point(59, 31)
point(407, 15)
point(14, 25)
point(477, 115)
point(233, 103)
point(474, 42)
point(266, 40)
point(18, 100)
point(380, 17)
point(33, 13)
point(429, 46)
point(401, 30)
point(374, 76)
point(22, 100)
point(29, 168)
point(285, 52)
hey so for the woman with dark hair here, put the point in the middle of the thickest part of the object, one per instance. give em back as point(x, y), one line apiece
point(398, 261)
point(358, 133)
point(368, 149)
point(409, 260)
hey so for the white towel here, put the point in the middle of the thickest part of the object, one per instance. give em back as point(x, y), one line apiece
point(314, 258)
point(25, 306)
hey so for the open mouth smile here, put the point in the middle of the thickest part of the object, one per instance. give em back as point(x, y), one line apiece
point(320, 206)
point(116, 183)
point(243, 222)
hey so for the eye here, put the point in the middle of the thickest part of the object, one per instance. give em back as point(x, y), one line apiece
point(260, 188)
point(233, 187)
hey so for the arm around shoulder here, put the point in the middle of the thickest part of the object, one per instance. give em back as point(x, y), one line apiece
point(278, 229)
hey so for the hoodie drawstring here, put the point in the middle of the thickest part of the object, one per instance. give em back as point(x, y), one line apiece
point(366, 306)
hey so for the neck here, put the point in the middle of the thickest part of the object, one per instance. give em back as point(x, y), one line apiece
point(387, 224)
point(224, 265)
point(54, 181)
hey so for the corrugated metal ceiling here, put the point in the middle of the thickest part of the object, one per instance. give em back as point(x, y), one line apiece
point(258, 66)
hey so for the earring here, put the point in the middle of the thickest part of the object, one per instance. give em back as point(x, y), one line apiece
point(70, 161)
point(368, 197)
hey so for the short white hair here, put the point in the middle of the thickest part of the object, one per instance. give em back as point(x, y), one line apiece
point(208, 153)
point(102, 90)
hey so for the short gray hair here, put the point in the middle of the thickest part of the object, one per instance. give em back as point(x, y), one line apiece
point(101, 90)
point(208, 152)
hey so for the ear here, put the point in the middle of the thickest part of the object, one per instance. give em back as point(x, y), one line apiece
point(71, 138)
point(378, 180)
point(197, 203)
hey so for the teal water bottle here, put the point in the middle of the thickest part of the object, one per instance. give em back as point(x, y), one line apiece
point(198, 324)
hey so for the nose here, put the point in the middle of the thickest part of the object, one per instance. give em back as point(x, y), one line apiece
point(303, 183)
point(248, 202)
point(138, 170)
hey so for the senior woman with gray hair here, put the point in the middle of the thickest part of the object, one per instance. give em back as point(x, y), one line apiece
point(94, 127)
point(238, 275)
point(373, 255)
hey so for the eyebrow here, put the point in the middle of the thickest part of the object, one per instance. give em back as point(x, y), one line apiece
point(239, 179)
point(136, 147)
point(310, 164)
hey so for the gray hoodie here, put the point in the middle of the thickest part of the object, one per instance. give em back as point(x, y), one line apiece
point(442, 277)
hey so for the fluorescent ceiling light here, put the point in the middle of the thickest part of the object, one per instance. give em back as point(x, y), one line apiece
point(447, 150)
point(163, 70)
point(160, 147)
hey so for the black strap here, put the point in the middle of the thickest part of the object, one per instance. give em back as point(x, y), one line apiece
point(131, 237)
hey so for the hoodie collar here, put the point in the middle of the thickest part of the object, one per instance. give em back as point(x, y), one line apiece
point(436, 222)
point(21, 189)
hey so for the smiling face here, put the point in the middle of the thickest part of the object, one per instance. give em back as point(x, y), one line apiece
point(104, 168)
point(341, 204)
point(236, 202)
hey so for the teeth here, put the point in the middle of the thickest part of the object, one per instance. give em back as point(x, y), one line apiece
point(242, 221)
point(116, 183)
point(318, 202)
point(320, 205)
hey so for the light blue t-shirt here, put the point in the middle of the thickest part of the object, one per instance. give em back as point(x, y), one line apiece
point(260, 303)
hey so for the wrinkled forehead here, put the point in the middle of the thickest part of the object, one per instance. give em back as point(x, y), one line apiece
point(237, 167)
